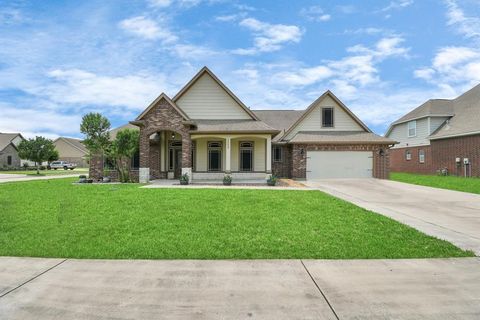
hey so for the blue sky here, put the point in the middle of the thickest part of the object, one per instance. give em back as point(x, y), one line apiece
point(62, 59)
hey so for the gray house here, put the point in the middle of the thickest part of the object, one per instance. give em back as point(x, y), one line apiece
point(8, 150)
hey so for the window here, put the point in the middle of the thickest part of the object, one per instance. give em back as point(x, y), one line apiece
point(135, 162)
point(412, 128)
point(277, 154)
point(173, 146)
point(421, 156)
point(171, 163)
point(408, 155)
point(9, 160)
point(327, 117)
point(214, 156)
point(246, 156)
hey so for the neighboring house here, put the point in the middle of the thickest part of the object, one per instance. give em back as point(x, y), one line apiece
point(9, 150)
point(439, 134)
point(72, 150)
point(206, 131)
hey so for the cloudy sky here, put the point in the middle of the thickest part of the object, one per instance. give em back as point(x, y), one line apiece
point(62, 59)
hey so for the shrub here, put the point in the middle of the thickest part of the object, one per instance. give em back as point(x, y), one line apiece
point(227, 180)
point(272, 180)
point(184, 179)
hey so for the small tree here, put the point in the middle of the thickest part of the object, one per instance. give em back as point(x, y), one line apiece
point(123, 149)
point(37, 150)
point(53, 156)
point(96, 129)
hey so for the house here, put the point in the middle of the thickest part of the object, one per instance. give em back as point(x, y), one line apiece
point(440, 134)
point(72, 150)
point(9, 150)
point(206, 132)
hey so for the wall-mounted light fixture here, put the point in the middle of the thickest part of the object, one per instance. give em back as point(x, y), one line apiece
point(302, 151)
point(381, 152)
point(173, 135)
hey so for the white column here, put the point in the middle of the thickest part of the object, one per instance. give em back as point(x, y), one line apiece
point(268, 165)
point(228, 155)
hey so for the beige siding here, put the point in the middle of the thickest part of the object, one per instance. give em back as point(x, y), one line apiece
point(202, 153)
point(400, 133)
point(206, 99)
point(436, 122)
point(313, 121)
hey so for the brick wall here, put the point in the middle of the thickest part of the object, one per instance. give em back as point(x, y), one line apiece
point(398, 162)
point(283, 169)
point(445, 151)
point(299, 157)
point(95, 170)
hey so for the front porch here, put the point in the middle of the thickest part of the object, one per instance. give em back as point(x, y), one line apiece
point(205, 157)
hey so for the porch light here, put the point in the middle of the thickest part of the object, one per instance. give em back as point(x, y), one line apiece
point(173, 135)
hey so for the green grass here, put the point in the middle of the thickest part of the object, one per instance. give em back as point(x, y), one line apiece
point(471, 185)
point(58, 172)
point(55, 218)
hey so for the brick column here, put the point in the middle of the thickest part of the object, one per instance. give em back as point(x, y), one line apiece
point(95, 170)
point(187, 155)
point(144, 170)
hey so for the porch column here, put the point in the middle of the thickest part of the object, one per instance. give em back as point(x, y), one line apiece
point(228, 156)
point(144, 171)
point(268, 165)
point(162, 151)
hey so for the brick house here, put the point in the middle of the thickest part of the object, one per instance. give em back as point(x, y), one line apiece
point(207, 132)
point(439, 134)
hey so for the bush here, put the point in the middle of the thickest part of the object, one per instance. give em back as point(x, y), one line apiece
point(184, 179)
point(272, 180)
point(227, 180)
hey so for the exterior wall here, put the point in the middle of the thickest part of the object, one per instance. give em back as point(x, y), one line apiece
point(206, 99)
point(299, 160)
point(436, 122)
point(313, 121)
point(283, 169)
point(9, 151)
point(400, 133)
point(398, 162)
point(445, 151)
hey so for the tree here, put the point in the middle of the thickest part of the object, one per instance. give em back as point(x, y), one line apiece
point(123, 149)
point(53, 157)
point(96, 129)
point(37, 150)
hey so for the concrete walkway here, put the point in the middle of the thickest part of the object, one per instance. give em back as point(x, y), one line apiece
point(33, 288)
point(445, 214)
point(5, 177)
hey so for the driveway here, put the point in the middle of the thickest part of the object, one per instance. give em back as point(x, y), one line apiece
point(445, 214)
point(32, 288)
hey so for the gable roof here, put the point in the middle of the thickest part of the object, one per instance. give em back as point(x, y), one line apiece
point(466, 116)
point(75, 143)
point(310, 108)
point(157, 100)
point(203, 71)
point(281, 120)
point(7, 138)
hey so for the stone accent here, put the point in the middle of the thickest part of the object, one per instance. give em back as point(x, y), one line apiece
point(398, 161)
point(380, 162)
point(283, 169)
point(144, 175)
point(162, 117)
point(95, 170)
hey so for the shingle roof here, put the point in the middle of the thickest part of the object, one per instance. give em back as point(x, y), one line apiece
point(6, 139)
point(114, 131)
point(205, 126)
point(279, 119)
point(433, 107)
point(339, 137)
point(466, 119)
point(77, 143)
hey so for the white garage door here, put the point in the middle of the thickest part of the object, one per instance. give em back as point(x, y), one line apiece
point(339, 164)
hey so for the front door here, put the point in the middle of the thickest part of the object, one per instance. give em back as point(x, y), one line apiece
point(178, 163)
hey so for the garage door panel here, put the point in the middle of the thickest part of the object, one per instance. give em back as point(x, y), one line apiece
point(339, 164)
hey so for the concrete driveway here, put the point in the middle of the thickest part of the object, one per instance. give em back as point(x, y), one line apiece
point(450, 215)
point(32, 288)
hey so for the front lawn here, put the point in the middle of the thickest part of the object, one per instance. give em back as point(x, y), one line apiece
point(58, 172)
point(444, 182)
point(54, 218)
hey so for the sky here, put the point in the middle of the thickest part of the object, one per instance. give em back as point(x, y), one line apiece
point(62, 59)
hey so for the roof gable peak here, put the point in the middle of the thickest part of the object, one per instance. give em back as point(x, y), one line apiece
point(164, 96)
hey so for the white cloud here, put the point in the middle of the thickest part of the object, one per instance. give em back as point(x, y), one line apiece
point(424, 73)
point(227, 18)
point(368, 31)
point(193, 52)
point(398, 4)
point(160, 3)
point(315, 13)
point(467, 26)
point(146, 28)
point(269, 37)
point(304, 76)
point(74, 86)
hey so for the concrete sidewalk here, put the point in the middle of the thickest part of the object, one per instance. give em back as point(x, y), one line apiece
point(33, 288)
point(5, 177)
point(446, 214)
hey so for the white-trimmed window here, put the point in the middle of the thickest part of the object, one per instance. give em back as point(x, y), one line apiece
point(408, 155)
point(421, 156)
point(412, 128)
point(327, 117)
point(277, 154)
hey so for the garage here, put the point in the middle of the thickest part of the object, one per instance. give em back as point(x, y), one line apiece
point(339, 164)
